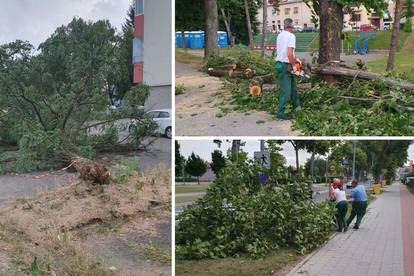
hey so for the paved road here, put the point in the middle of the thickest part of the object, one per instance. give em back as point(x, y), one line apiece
point(26, 184)
point(157, 153)
point(384, 245)
point(199, 111)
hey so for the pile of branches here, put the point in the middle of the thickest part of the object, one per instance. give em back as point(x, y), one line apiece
point(235, 217)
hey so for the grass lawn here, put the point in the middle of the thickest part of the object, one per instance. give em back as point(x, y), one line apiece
point(193, 188)
point(380, 42)
point(184, 199)
point(404, 60)
point(191, 58)
point(275, 261)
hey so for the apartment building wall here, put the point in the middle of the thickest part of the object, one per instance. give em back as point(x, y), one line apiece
point(152, 42)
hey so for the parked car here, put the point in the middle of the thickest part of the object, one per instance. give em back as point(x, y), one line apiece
point(409, 181)
point(309, 30)
point(163, 119)
point(297, 28)
point(368, 27)
point(386, 25)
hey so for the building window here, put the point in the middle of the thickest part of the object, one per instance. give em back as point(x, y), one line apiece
point(295, 10)
point(356, 17)
point(139, 7)
point(287, 11)
point(138, 50)
point(278, 12)
point(296, 21)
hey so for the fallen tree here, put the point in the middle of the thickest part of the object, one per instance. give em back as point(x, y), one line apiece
point(55, 103)
point(364, 75)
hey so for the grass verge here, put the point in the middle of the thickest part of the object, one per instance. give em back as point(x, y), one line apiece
point(270, 265)
point(184, 199)
point(381, 41)
point(179, 189)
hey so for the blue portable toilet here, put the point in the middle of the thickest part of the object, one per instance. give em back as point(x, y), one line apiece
point(197, 40)
point(222, 40)
point(178, 40)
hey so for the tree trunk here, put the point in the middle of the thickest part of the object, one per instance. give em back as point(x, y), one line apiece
point(184, 41)
point(235, 148)
point(211, 28)
point(331, 23)
point(351, 73)
point(249, 24)
point(264, 29)
point(394, 36)
point(228, 27)
point(198, 180)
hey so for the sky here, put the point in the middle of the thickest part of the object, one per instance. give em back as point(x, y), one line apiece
point(36, 20)
point(205, 147)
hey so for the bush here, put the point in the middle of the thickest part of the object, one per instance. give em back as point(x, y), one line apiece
point(407, 27)
point(235, 217)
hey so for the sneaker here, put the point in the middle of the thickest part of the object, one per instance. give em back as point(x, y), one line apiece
point(356, 227)
point(346, 228)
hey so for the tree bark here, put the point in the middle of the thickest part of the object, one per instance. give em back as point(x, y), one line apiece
point(331, 23)
point(264, 29)
point(235, 149)
point(351, 73)
point(184, 41)
point(211, 28)
point(249, 24)
point(228, 26)
point(394, 36)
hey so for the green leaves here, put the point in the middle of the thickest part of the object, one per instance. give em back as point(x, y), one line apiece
point(235, 217)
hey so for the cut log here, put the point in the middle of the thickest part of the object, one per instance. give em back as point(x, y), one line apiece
point(90, 171)
point(256, 84)
point(219, 72)
point(351, 73)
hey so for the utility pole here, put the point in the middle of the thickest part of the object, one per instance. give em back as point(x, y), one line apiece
point(353, 162)
point(262, 145)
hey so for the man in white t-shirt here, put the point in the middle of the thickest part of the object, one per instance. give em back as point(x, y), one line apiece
point(285, 46)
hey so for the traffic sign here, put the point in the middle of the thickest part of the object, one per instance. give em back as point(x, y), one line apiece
point(262, 158)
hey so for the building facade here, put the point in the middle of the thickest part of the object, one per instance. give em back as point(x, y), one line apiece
point(301, 15)
point(152, 50)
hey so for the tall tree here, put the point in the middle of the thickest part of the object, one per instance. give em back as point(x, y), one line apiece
point(179, 160)
point(394, 36)
point(218, 161)
point(331, 17)
point(408, 14)
point(264, 28)
point(211, 28)
point(195, 166)
point(188, 17)
point(249, 24)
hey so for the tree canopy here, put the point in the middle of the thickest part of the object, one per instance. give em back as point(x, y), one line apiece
point(55, 100)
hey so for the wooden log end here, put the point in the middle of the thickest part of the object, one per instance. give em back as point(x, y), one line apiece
point(255, 90)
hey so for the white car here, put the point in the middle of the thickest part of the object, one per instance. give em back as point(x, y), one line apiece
point(162, 117)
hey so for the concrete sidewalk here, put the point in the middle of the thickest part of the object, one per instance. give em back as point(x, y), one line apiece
point(376, 248)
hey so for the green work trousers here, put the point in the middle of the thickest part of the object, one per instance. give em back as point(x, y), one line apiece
point(341, 209)
point(359, 209)
point(288, 89)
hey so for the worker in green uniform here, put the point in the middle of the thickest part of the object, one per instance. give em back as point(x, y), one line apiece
point(285, 46)
point(359, 203)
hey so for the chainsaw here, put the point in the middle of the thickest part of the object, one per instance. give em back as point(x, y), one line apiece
point(297, 70)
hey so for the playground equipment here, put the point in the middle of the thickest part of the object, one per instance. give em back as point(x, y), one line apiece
point(364, 37)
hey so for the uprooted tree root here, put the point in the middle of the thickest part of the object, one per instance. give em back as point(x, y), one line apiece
point(49, 225)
